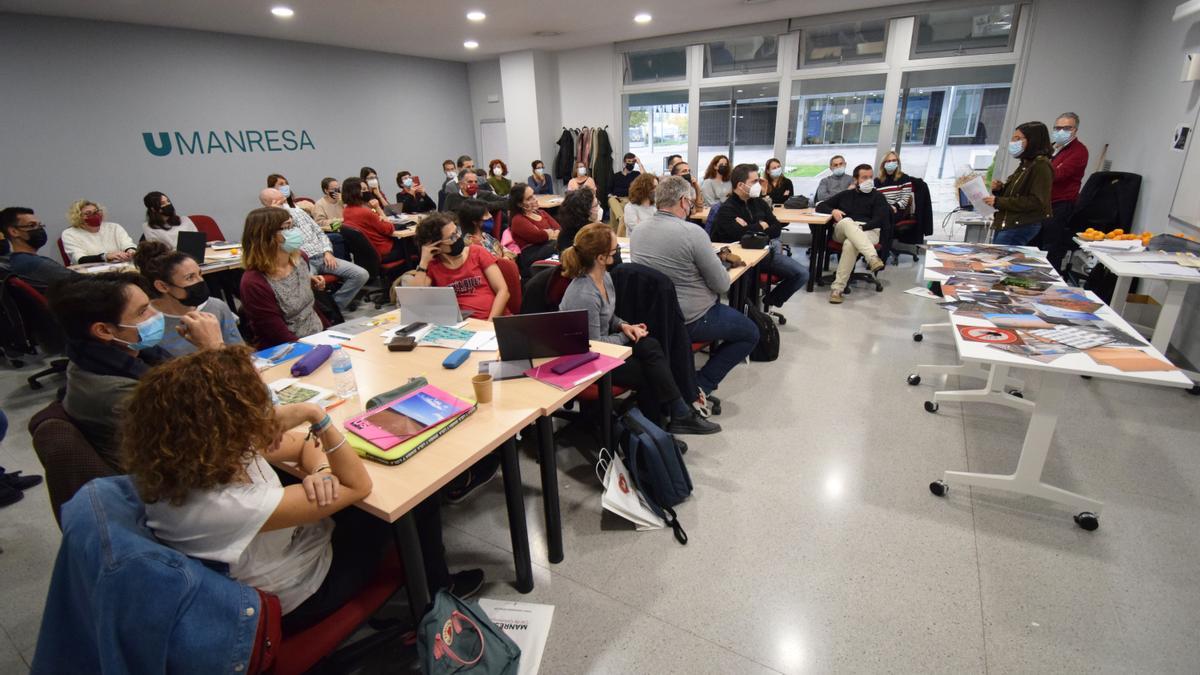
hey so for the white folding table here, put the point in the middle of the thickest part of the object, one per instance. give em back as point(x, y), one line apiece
point(1177, 287)
point(1056, 376)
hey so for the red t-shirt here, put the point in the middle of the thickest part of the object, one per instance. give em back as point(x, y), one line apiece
point(526, 232)
point(470, 284)
point(377, 231)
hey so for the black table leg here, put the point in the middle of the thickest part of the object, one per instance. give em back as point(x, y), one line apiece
point(517, 528)
point(814, 256)
point(408, 545)
point(549, 468)
point(606, 410)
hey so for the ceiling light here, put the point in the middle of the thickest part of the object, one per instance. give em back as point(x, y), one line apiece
point(476, 15)
point(470, 44)
point(642, 18)
point(282, 12)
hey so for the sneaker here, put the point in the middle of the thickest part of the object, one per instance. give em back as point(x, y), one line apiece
point(16, 480)
point(10, 495)
point(875, 265)
point(713, 403)
point(466, 583)
point(692, 424)
point(476, 477)
point(835, 297)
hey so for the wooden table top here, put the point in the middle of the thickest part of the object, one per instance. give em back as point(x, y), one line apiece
point(750, 256)
point(549, 201)
point(784, 215)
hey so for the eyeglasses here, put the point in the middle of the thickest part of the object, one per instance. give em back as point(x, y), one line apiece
point(37, 225)
point(458, 234)
point(1065, 128)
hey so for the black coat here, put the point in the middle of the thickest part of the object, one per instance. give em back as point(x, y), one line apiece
point(564, 162)
point(1108, 199)
point(602, 169)
point(727, 230)
point(645, 295)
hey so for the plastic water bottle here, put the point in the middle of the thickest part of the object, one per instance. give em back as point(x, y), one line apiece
point(343, 373)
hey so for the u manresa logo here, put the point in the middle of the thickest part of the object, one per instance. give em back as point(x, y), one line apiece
point(227, 142)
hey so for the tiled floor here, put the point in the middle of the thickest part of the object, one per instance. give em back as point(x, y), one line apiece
point(815, 545)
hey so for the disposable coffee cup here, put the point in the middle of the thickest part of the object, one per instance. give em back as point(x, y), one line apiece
point(483, 388)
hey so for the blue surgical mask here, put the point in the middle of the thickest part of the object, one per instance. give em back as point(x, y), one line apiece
point(286, 190)
point(407, 183)
point(839, 171)
point(539, 171)
point(292, 240)
point(1060, 136)
point(891, 167)
point(150, 332)
point(1015, 148)
point(777, 172)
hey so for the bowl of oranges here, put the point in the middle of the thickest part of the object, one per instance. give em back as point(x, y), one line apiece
point(1092, 234)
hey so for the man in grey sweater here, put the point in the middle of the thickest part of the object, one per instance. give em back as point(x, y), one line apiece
point(838, 181)
point(682, 251)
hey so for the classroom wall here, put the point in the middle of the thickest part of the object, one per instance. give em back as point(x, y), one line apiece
point(483, 78)
point(587, 88)
point(80, 94)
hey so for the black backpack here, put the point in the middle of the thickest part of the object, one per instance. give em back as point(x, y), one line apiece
point(767, 348)
point(656, 467)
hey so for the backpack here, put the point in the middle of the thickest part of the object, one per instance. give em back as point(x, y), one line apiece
point(796, 202)
point(15, 340)
point(767, 348)
point(457, 636)
point(656, 467)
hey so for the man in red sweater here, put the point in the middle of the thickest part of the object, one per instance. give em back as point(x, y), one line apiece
point(1070, 162)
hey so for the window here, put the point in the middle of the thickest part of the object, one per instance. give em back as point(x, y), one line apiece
point(987, 28)
point(656, 65)
point(741, 55)
point(853, 42)
point(739, 122)
point(832, 116)
point(656, 127)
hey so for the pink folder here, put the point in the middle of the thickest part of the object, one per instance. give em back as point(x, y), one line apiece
point(573, 378)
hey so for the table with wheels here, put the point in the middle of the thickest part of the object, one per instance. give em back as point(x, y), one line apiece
point(1177, 287)
point(1056, 378)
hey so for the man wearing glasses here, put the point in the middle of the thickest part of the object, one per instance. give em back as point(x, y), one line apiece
point(25, 234)
point(1070, 162)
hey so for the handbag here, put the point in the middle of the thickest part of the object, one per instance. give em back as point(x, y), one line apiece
point(754, 241)
point(621, 496)
point(458, 637)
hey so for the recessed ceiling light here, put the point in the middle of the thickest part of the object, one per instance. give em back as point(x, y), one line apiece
point(470, 44)
point(282, 12)
point(476, 15)
point(643, 18)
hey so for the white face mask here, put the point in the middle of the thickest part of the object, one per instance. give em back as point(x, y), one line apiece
point(373, 183)
point(755, 190)
point(539, 171)
point(597, 214)
point(497, 171)
point(582, 171)
point(867, 185)
point(451, 174)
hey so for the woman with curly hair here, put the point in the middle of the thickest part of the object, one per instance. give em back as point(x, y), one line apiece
point(578, 209)
point(210, 492)
point(93, 239)
point(498, 177)
point(640, 208)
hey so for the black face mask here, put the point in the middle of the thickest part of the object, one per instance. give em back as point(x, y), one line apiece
point(169, 210)
point(629, 166)
point(457, 247)
point(37, 238)
point(616, 260)
point(686, 176)
point(194, 295)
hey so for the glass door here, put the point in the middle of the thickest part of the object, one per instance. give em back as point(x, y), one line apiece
point(656, 127)
point(739, 122)
point(832, 116)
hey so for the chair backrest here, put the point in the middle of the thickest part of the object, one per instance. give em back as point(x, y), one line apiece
point(512, 277)
point(543, 292)
point(62, 251)
point(712, 218)
point(1108, 199)
point(212, 231)
point(68, 459)
point(41, 326)
point(360, 250)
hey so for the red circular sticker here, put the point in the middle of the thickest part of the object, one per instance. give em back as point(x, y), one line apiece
point(622, 484)
point(989, 334)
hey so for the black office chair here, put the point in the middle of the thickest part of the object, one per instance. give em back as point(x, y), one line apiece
point(381, 274)
point(40, 326)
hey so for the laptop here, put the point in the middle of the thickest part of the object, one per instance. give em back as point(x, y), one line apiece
point(193, 244)
point(535, 336)
point(434, 305)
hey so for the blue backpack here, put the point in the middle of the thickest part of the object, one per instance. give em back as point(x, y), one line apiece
point(656, 466)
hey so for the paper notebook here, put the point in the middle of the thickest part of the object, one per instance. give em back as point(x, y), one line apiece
point(576, 377)
point(278, 354)
point(401, 453)
point(409, 416)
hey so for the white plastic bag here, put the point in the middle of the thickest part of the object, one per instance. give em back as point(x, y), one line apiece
point(621, 496)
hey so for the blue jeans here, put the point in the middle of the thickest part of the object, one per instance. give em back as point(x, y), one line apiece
point(793, 275)
point(738, 336)
point(352, 277)
point(1017, 236)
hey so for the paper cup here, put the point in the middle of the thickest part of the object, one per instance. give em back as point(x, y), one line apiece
point(483, 388)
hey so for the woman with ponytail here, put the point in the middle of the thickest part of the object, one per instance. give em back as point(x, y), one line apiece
point(648, 372)
point(176, 287)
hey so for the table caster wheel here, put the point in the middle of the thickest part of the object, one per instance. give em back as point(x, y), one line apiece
point(931, 406)
point(913, 379)
point(783, 321)
point(1087, 520)
point(917, 337)
point(1017, 393)
point(939, 488)
point(1195, 390)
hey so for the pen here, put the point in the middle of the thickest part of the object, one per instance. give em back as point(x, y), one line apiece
point(357, 349)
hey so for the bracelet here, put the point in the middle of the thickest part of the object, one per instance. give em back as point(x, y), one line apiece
point(322, 425)
point(334, 448)
point(321, 468)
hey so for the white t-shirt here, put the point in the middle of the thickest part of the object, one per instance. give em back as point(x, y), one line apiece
point(169, 237)
point(224, 525)
point(81, 243)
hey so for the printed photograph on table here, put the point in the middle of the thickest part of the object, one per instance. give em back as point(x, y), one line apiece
point(397, 421)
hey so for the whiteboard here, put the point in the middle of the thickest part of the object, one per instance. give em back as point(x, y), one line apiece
point(1186, 206)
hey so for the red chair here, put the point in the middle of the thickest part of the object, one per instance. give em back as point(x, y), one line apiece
point(300, 652)
point(212, 231)
point(512, 278)
point(834, 246)
point(62, 250)
point(41, 328)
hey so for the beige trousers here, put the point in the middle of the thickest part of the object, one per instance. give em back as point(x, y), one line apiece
point(854, 241)
point(616, 214)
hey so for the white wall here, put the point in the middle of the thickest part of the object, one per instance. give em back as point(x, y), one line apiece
point(587, 88)
point(79, 95)
point(483, 78)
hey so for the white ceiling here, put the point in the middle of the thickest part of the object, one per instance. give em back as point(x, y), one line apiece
point(437, 28)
